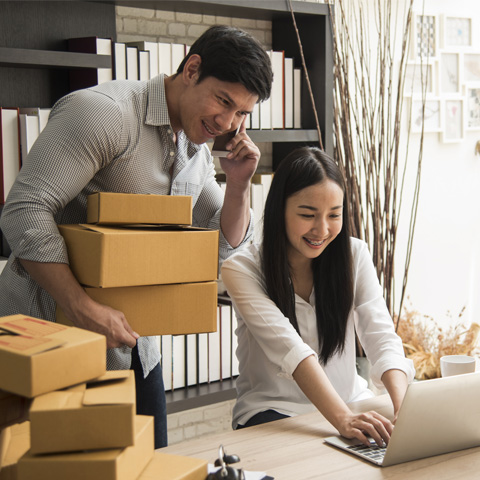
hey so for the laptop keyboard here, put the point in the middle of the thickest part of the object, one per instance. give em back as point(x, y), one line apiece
point(373, 451)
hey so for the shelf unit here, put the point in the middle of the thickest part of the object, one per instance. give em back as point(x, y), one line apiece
point(34, 64)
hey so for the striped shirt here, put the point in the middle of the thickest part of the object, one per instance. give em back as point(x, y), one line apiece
point(115, 137)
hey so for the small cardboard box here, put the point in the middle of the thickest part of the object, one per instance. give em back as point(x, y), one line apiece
point(161, 309)
point(111, 464)
point(13, 408)
point(127, 208)
point(37, 356)
point(95, 415)
point(123, 257)
point(14, 443)
point(164, 466)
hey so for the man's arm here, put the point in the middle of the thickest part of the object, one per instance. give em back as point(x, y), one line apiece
point(239, 167)
point(58, 280)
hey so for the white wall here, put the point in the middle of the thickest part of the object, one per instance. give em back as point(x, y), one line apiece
point(445, 268)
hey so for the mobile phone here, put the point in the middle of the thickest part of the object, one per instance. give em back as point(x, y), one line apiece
point(219, 145)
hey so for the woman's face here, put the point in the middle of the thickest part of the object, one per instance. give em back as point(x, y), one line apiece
point(313, 218)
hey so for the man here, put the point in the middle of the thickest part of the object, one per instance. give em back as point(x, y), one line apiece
point(134, 137)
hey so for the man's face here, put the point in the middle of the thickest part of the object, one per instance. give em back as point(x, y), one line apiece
point(213, 107)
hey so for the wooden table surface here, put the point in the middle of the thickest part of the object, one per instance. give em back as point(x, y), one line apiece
point(293, 449)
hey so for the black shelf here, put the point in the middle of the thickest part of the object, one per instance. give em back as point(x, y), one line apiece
point(23, 57)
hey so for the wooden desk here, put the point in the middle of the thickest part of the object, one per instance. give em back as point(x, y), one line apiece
point(293, 449)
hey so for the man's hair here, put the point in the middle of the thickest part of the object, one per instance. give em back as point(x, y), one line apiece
point(233, 55)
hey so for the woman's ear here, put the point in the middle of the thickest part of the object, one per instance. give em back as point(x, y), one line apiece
point(191, 69)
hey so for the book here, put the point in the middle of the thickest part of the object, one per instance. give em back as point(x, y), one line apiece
point(132, 63)
point(265, 108)
point(277, 97)
point(257, 203)
point(255, 117)
point(144, 65)
point(165, 58)
point(297, 98)
point(166, 351)
point(225, 341)
point(10, 158)
point(178, 54)
point(288, 82)
point(42, 113)
point(29, 131)
point(89, 77)
point(151, 47)
point(214, 352)
point(191, 359)
point(178, 361)
point(119, 61)
point(202, 357)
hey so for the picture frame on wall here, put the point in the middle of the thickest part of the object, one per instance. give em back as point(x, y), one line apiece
point(472, 94)
point(419, 79)
point(453, 120)
point(457, 31)
point(471, 67)
point(425, 37)
point(450, 73)
point(426, 112)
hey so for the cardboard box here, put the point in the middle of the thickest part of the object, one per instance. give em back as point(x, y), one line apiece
point(14, 443)
point(112, 464)
point(99, 414)
point(127, 208)
point(123, 257)
point(37, 356)
point(164, 466)
point(161, 309)
point(13, 408)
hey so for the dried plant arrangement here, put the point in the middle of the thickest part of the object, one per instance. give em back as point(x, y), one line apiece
point(425, 341)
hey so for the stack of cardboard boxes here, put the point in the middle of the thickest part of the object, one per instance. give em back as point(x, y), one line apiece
point(82, 422)
point(140, 255)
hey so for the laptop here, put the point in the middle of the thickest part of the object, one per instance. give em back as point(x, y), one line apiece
point(437, 416)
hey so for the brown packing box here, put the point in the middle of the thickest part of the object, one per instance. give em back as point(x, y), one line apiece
point(14, 443)
point(122, 257)
point(37, 356)
point(164, 466)
point(161, 309)
point(91, 416)
point(111, 464)
point(127, 208)
point(13, 408)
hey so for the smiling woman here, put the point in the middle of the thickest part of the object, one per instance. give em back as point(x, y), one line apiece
point(300, 296)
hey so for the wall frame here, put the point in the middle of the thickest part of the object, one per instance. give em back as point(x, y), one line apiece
point(457, 32)
point(472, 95)
point(450, 73)
point(453, 120)
point(425, 32)
point(430, 116)
point(471, 67)
point(419, 78)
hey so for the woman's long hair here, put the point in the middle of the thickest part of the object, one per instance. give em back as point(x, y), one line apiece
point(332, 270)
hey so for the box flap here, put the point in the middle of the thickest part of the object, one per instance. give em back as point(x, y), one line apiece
point(114, 388)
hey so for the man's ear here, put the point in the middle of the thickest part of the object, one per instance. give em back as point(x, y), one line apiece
point(191, 69)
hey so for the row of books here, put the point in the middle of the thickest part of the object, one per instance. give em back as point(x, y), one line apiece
point(19, 128)
point(201, 358)
point(143, 60)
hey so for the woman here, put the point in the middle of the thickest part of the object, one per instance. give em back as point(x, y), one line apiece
point(299, 298)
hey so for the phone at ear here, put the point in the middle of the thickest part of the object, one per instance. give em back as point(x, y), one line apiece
point(219, 145)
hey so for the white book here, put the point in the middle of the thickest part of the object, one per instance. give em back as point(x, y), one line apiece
point(120, 61)
point(151, 47)
point(178, 54)
point(256, 202)
point(104, 47)
point(297, 98)
point(165, 58)
point(132, 63)
point(277, 97)
point(178, 359)
point(166, 345)
point(144, 65)
point(214, 352)
point(234, 344)
point(10, 150)
point(288, 92)
point(191, 359)
point(202, 357)
point(266, 108)
point(29, 131)
point(225, 341)
point(41, 113)
point(255, 117)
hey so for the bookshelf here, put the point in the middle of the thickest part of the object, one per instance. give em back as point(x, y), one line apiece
point(35, 63)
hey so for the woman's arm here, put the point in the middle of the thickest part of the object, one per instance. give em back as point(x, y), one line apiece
point(314, 383)
point(396, 383)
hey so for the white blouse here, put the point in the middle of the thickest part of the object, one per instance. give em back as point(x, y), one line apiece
point(269, 348)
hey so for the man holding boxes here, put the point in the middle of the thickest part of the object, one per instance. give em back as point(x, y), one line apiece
point(134, 137)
